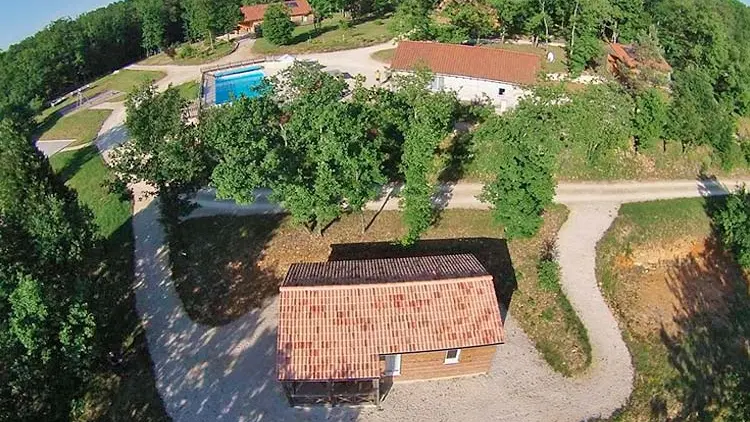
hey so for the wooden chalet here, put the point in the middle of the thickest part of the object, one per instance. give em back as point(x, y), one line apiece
point(348, 329)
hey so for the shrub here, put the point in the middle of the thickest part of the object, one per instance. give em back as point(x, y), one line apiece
point(187, 52)
point(548, 274)
point(732, 223)
point(277, 27)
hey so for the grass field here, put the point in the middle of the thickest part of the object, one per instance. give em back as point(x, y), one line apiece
point(384, 56)
point(202, 54)
point(82, 126)
point(226, 266)
point(682, 303)
point(126, 392)
point(558, 66)
point(329, 37)
point(189, 90)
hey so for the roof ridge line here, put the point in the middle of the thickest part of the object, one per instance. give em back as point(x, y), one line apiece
point(398, 283)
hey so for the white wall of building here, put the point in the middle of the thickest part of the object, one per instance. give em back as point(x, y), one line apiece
point(469, 89)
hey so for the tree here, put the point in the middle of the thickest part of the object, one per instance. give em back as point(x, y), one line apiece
point(473, 20)
point(47, 246)
point(523, 186)
point(210, 18)
point(430, 120)
point(163, 150)
point(732, 222)
point(319, 155)
point(277, 27)
point(649, 119)
point(153, 17)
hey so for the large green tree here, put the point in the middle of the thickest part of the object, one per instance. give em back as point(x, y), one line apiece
point(47, 242)
point(163, 151)
point(431, 118)
point(277, 26)
point(208, 19)
point(153, 16)
point(523, 184)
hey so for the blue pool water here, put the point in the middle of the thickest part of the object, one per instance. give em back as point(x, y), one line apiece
point(234, 83)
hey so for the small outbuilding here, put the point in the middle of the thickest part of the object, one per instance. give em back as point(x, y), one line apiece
point(630, 62)
point(349, 329)
point(473, 72)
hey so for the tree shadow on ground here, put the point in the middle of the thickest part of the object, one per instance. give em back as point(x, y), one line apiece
point(80, 158)
point(219, 283)
point(123, 384)
point(458, 156)
point(709, 343)
point(491, 252)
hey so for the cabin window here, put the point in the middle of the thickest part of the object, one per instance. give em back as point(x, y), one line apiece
point(452, 355)
point(501, 91)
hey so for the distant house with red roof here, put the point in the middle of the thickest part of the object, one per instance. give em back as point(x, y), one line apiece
point(472, 71)
point(349, 328)
point(300, 13)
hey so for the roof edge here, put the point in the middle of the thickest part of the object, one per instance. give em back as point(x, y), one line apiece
point(522, 53)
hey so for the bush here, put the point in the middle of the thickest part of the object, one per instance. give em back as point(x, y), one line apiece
point(277, 27)
point(549, 275)
point(731, 221)
point(187, 52)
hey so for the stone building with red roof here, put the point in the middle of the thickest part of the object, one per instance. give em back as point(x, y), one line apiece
point(300, 13)
point(473, 72)
point(349, 328)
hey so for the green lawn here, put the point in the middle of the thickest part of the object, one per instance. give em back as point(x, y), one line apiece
point(82, 126)
point(682, 303)
point(384, 56)
point(200, 54)
point(558, 66)
point(189, 90)
point(329, 37)
point(126, 393)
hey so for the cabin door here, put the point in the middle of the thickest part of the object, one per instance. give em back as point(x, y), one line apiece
point(392, 365)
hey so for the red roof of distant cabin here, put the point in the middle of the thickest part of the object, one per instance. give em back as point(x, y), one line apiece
point(462, 60)
point(255, 12)
point(337, 318)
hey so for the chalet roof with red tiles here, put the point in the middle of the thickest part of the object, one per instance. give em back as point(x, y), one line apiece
point(255, 12)
point(336, 318)
point(475, 62)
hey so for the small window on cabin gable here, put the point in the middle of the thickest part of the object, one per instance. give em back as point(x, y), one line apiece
point(452, 355)
point(501, 91)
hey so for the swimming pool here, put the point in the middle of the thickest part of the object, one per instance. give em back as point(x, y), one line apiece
point(231, 84)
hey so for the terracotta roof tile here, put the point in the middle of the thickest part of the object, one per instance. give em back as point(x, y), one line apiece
point(475, 62)
point(255, 12)
point(338, 330)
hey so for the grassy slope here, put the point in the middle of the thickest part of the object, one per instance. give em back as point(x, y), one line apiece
point(329, 38)
point(225, 266)
point(189, 90)
point(82, 126)
point(203, 55)
point(384, 56)
point(672, 370)
point(127, 392)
